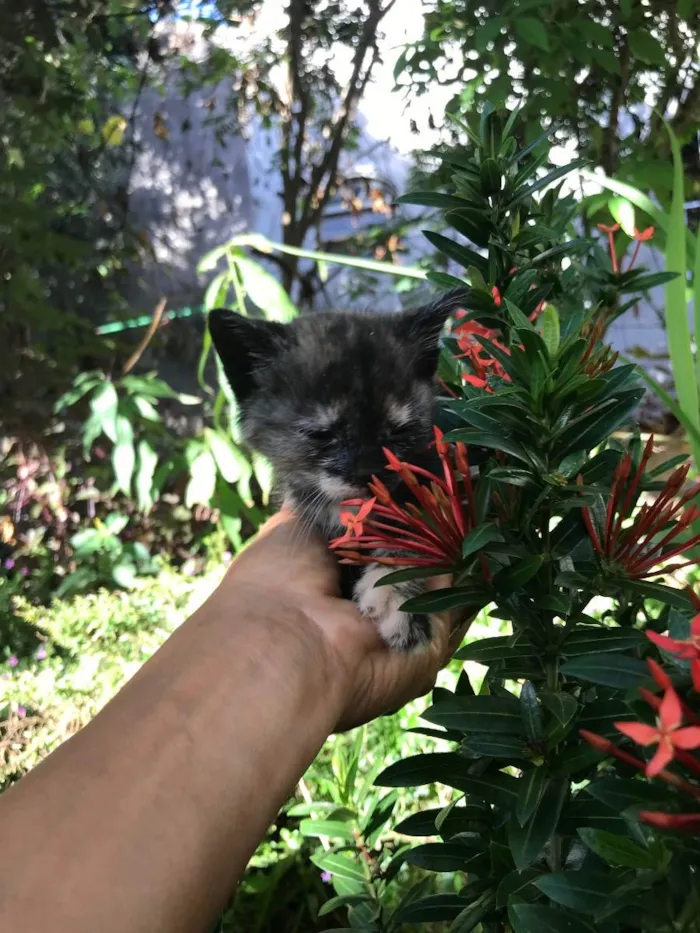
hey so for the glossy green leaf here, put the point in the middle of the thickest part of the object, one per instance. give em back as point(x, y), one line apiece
point(334, 829)
point(412, 573)
point(461, 254)
point(440, 856)
point(536, 918)
point(589, 640)
point(622, 793)
point(644, 46)
point(514, 883)
point(507, 747)
point(231, 463)
point(477, 714)
point(527, 842)
point(431, 909)
point(585, 811)
point(616, 850)
point(343, 900)
point(265, 291)
point(517, 575)
point(498, 648)
point(460, 819)
point(482, 535)
point(583, 890)
point(609, 670)
point(432, 199)
point(340, 866)
point(533, 31)
point(549, 322)
point(454, 597)
point(531, 714)
point(562, 706)
point(532, 786)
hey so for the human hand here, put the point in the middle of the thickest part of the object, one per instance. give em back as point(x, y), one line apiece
point(286, 569)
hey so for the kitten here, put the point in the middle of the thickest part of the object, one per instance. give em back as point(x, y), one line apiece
point(320, 398)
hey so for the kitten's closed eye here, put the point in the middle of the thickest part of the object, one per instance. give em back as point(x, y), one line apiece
point(325, 435)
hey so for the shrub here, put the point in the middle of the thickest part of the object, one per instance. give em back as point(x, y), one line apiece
point(544, 831)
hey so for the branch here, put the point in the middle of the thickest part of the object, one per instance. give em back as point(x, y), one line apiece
point(354, 91)
point(147, 337)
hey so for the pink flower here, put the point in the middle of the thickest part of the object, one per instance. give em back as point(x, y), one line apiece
point(668, 734)
point(13, 660)
point(21, 712)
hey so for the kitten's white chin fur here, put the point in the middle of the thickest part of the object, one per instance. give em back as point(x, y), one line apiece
point(337, 489)
point(381, 605)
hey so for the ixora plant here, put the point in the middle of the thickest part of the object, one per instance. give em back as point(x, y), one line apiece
point(576, 765)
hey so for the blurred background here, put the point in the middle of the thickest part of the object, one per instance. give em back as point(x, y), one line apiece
point(160, 158)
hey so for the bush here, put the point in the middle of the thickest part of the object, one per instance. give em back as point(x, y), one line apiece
point(547, 830)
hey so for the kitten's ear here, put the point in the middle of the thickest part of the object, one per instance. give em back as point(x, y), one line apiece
point(422, 328)
point(244, 345)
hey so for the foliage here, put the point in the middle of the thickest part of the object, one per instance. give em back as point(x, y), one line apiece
point(545, 828)
point(584, 66)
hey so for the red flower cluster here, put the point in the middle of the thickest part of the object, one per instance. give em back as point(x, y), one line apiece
point(686, 648)
point(640, 548)
point(427, 533)
point(674, 742)
point(481, 363)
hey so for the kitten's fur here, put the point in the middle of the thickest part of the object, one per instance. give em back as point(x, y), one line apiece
point(319, 398)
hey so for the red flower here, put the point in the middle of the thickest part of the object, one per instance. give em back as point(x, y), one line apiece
point(496, 295)
point(427, 533)
point(640, 238)
point(353, 521)
point(682, 822)
point(473, 351)
point(639, 548)
point(686, 648)
point(611, 231)
point(668, 734)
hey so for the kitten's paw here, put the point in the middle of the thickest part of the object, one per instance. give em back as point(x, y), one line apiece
point(401, 631)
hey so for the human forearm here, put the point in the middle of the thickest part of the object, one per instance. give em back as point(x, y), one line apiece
point(144, 820)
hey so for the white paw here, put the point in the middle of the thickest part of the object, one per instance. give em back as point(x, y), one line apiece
point(400, 630)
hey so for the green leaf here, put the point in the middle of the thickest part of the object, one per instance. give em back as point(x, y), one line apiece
point(589, 812)
point(440, 856)
point(231, 462)
point(531, 714)
point(589, 640)
point(532, 786)
point(265, 291)
point(513, 883)
point(486, 33)
point(549, 322)
point(412, 573)
point(608, 670)
point(557, 173)
point(562, 706)
point(202, 482)
point(616, 850)
point(435, 908)
point(600, 715)
point(493, 441)
point(340, 866)
point(679, 599)
point(460, 819)
point(479, 537)
point(432, 199)
point(124, 575)
point(343, 900)
point(527, 842)
point(334, 829)
point(518, 574)
point(535, 918)
point(645, 47)
point(623, 212)
point(457, 251)
point(506, 746)
point(104, 403)
point(498, 648)
point(623, 793)
point(477, 714)
point(472, 915)
point(454, 597)
point(583, 890)
point(532, 31)
point(123, 454)
point(147, 462)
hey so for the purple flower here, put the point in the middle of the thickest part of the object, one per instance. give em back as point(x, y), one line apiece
point(24, 571)
point(13, 660)
point(41, 654)
point(21, 712)
point(9, 563)
point(325, 877)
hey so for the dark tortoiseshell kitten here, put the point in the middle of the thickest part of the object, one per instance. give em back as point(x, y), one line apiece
point(320, 398)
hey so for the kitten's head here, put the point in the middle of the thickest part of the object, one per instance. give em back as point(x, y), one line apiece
point(321, 396)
